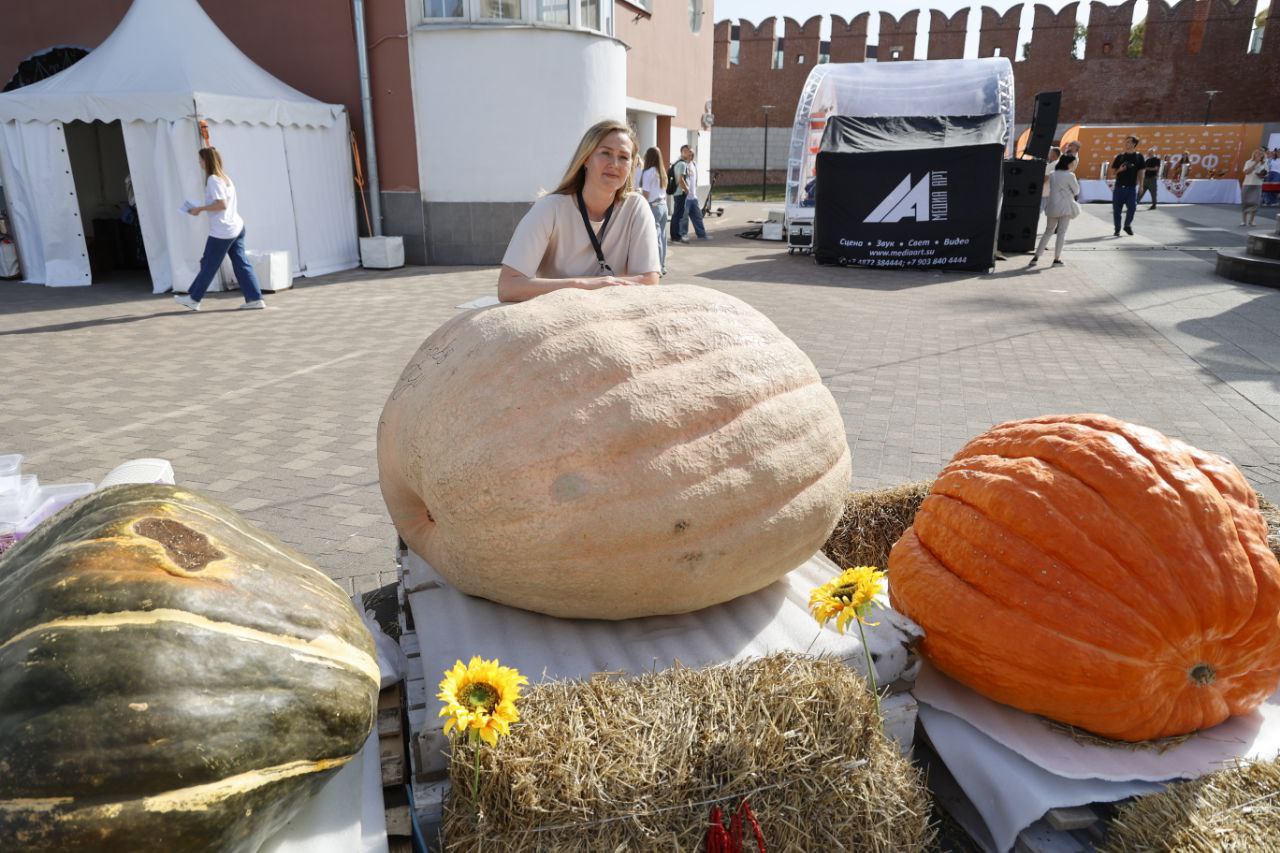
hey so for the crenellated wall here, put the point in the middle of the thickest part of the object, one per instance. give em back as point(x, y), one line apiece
point(1189, 47)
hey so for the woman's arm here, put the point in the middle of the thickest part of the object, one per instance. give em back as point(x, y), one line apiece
point(217, 205)
point(515, 286)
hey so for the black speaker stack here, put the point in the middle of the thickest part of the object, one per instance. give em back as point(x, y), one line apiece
point(1024, 179)
point(1020, 206)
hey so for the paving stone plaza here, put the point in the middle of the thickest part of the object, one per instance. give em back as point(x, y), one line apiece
point(274, 412)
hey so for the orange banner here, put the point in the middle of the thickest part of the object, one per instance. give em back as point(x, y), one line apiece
point(1214, 150)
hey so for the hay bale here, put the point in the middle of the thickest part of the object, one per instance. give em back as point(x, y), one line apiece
point(637, 763)
point(871, 523)
point(1233, 809)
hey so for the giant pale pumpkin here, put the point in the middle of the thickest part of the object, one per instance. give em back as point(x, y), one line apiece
point(1097, 573)
point(613, 453)
point(170, 678)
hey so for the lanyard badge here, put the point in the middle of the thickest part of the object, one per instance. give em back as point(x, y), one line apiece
point(604, 268)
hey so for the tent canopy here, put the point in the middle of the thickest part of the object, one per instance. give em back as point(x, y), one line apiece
point(166, 61)
point(942, 87)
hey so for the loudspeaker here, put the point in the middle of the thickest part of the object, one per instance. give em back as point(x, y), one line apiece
point(1044, 123)
point(1017, 230)
point(1023, 181)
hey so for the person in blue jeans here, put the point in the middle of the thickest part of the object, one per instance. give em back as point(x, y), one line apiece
point(226, 237)
point(692, 207)
point(1128, 169)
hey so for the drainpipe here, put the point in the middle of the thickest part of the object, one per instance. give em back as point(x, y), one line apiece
point(366, 107)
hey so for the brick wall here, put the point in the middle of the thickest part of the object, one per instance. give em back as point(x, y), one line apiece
point(1189, 47)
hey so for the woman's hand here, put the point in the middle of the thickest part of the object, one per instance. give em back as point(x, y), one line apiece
point(196, 211)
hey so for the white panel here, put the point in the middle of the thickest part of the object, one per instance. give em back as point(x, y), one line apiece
point(166, 171)
point(42, 198)
point(253, 156)
point(506, 132)
point(324, 199)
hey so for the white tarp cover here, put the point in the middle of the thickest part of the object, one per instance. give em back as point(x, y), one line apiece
point(940, 87)
point(166, 67)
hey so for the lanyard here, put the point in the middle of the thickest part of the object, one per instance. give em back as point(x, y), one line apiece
point(595, 240)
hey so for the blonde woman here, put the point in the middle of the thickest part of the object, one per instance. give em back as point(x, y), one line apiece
point(591, 231)
point(226, 236)
point(653, 187)
point(1255, 172)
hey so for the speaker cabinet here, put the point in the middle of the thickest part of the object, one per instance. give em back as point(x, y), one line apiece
point(1044, 124)
point(1023, 181)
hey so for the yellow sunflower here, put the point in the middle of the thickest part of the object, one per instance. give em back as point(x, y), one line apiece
point(848, 597)
point(480, 698)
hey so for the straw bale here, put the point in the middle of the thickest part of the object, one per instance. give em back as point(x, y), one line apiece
point(872, 522)
point(636, 763)
point(1233, 809)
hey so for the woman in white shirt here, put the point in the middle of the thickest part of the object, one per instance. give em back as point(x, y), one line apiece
point(226, 236)
point(591, 231)
point(1255, 172)
point(1061, 207)
point(654, 190)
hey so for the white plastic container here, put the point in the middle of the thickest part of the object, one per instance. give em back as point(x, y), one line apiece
point(381, 253)
point(139, 471)
point(10, 471)
point(50, 499)
point(17, 504)
point(272, 270)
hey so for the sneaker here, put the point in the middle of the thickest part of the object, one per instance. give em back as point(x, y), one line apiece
point(1033, 262)
point(1058, 263)
point(1128, 229)
point(255, 304)
point(705, 237)
point(1115, 234)
point(187, 302)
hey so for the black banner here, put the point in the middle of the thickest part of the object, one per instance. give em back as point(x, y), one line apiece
point(929, 208)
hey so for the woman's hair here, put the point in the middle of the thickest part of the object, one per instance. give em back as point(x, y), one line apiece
point(1064, 162)
point(212, 162)
point(576, 175)
point(653, 159)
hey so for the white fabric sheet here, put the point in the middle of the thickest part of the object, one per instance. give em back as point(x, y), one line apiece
point(165, 172)
point(1252, 737)
point(41, 196)
point(324, 197)
point(1171, 192)
point(453, 626)
point(1010, 792)
point(254, 158)
point(164, 61)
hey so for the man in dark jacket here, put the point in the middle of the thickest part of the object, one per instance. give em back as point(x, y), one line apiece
point(1150, 177)
point(1128, 169)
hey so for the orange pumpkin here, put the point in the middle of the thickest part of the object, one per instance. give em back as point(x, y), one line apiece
point(1097, 573)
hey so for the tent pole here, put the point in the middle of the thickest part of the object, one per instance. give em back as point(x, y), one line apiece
point(366, 108)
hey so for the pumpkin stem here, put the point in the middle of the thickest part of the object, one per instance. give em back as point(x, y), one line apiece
point(1202, 674)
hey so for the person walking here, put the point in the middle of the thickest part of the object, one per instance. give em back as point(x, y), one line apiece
point(678, 196)
point(1255, 172)
point(692, 207)
point(1061, 208)
point(1150, 178)
point(1128, 168)
point(226, 237)
point(654, 191)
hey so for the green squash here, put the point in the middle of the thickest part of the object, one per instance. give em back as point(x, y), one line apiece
point(170, 678)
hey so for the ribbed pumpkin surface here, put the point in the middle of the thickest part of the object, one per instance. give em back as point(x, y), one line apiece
point(1097, 573)
point(170, 678)
point(614, 453)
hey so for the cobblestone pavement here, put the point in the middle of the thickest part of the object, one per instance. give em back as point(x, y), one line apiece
point(274, 412)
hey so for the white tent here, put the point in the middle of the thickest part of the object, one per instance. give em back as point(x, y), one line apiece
point(166, 68)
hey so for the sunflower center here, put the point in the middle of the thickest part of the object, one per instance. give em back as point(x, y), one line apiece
point(480, 696)
point(1202, 674)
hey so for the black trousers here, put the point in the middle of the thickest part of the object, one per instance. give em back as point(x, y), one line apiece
point(678, 216)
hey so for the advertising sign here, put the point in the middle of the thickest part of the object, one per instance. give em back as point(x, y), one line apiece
point(908, 209)
point(1210, 150)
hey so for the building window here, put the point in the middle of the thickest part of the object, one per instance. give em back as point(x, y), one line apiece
point(778, 45)
point(552, 11)
point(824, 52)
point(695, 15)
point(503, 10)
point(444, 9)
point(589, 10)
point(734, 34)
point(800, 59)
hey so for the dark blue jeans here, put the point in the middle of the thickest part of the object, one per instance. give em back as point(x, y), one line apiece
point(693, 212)
point(1126, 197)
point(677, 215)
point(214, 251)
